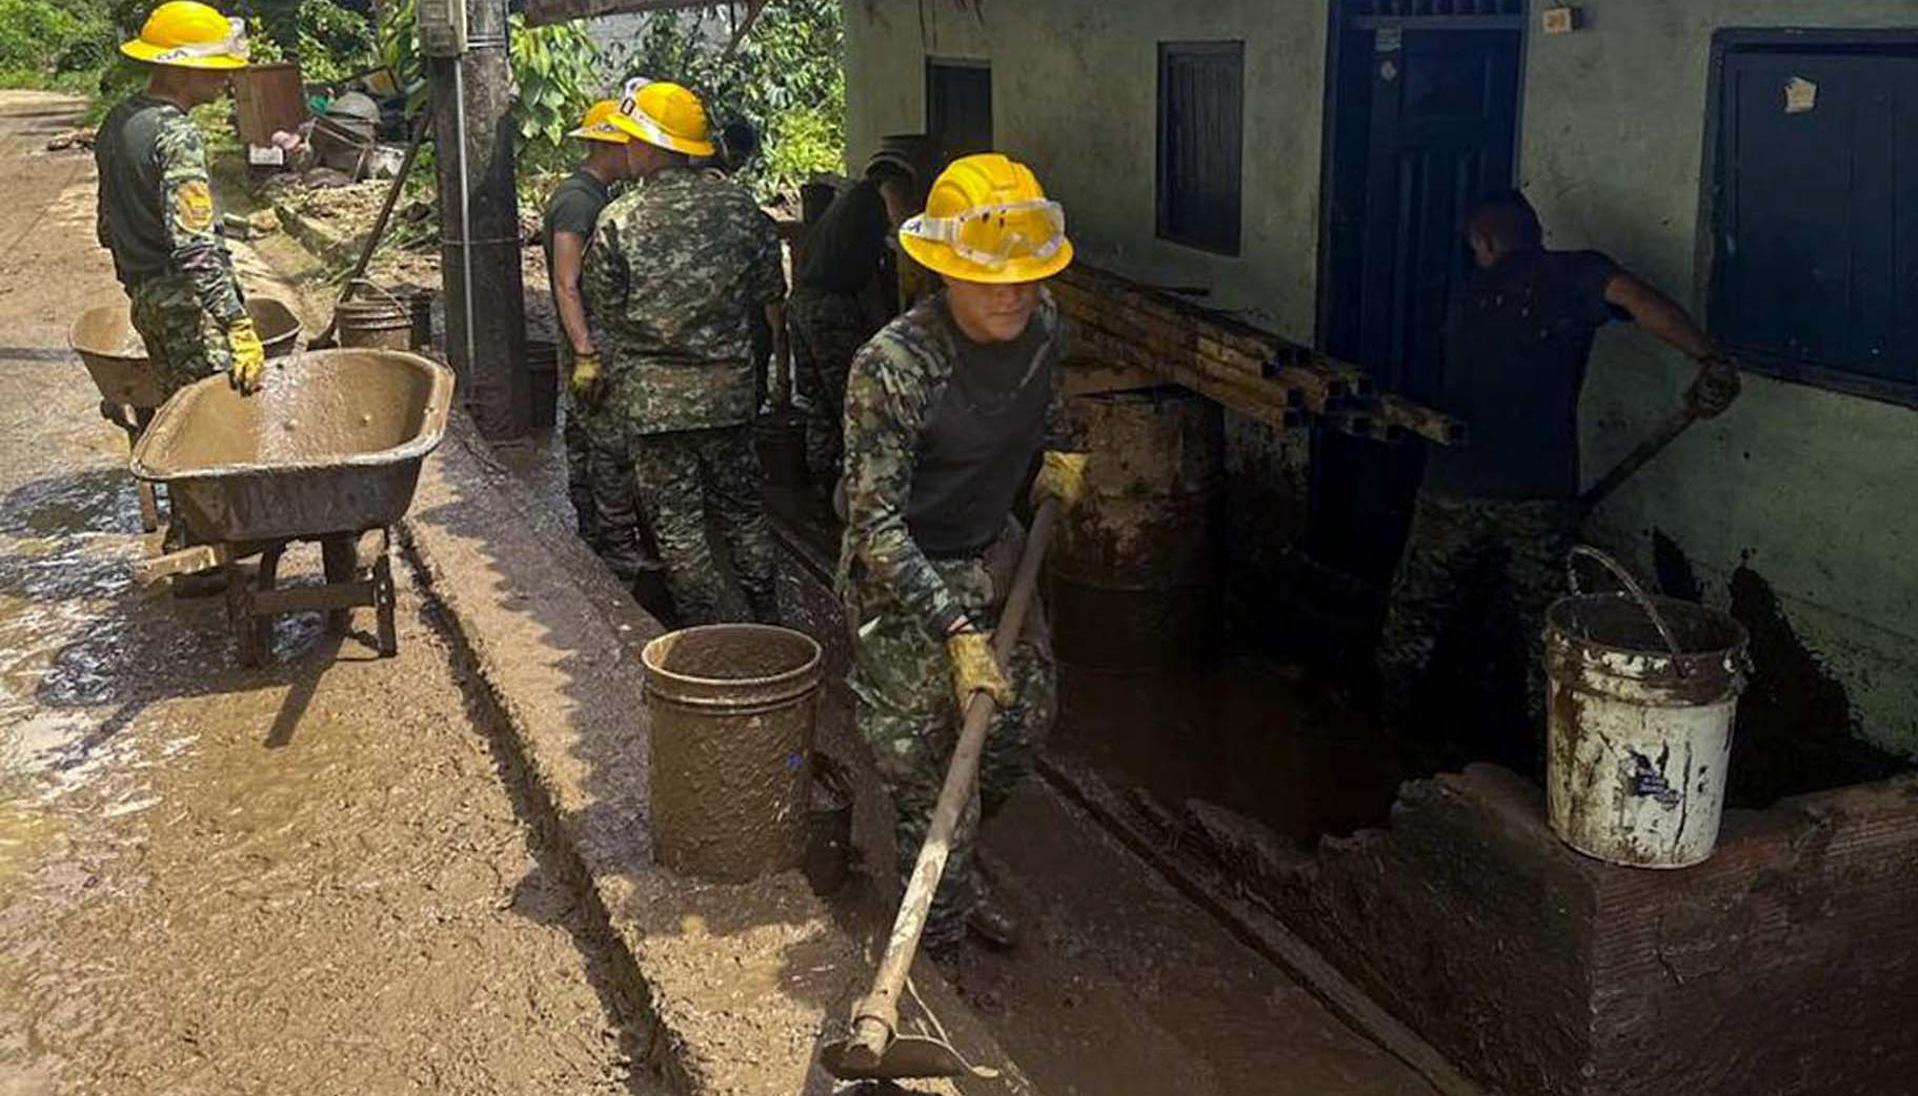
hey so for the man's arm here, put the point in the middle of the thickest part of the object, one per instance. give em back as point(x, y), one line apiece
point(602, 279)
point(1657, 314)
point(569, 258)
point(1717, 384)
point(885, 414)
point(186, 200)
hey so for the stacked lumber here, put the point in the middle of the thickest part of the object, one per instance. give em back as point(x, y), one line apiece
point(1144, 333)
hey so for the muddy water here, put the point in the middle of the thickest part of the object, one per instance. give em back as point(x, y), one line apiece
point(1260, 739)
point(307, 878)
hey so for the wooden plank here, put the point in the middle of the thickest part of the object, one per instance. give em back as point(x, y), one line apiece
point(1255, 927)
point(299, 599)
point(1084, 378)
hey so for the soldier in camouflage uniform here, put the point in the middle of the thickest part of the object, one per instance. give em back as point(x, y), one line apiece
point(845, 251)
point(672, 276)
point(156, 212)
point(947, 409)
point(599, 473)
point(1495, 518)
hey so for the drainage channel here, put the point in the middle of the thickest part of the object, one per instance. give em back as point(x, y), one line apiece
point(1140, 971)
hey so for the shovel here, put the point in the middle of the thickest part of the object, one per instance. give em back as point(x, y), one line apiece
point(1666, 432)
point(876, 1050)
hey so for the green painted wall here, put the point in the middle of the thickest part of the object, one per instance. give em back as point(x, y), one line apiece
point(1075, 95)
point(1807, 488)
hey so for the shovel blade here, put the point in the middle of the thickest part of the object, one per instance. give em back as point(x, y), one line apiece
point(907, 1056)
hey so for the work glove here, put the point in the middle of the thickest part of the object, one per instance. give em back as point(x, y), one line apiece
point(974, 670)
point(1061, 476)
point(584, 384)
point(1715, 387)
point(249, 356)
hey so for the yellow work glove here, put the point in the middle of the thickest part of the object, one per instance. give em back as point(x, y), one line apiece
point(249, 357)
point(1061, 476)
point(974, 670)
point(584, 383)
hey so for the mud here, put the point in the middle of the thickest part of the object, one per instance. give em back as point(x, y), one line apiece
point(303, 879)
point(1796, 729)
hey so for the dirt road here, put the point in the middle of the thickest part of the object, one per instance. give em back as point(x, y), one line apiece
point(307, 878)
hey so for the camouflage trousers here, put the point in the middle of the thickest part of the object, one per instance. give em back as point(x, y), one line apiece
point(183, 342)
point(1462, 631)
point(826, 329)
point(683, 478)
point(599, 481)
point(905, 710)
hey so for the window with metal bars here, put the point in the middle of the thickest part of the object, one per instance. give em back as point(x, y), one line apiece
point(1201, 131)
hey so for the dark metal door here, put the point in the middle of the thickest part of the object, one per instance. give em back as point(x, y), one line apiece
point(1426, 122)
point(959, 107)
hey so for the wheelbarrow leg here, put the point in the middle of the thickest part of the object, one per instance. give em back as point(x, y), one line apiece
point(384, 597)
point(340, 556)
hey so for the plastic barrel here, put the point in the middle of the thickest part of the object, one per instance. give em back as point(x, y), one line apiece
point(1639, 738)
point(542, 370)
point(731, 709)
point(1133, 576)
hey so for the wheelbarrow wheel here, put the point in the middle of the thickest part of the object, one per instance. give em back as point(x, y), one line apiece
point(239, 615)
point(263, 624)
point(340, 556)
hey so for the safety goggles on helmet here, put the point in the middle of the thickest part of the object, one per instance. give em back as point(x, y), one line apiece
point(992, 236)
point(233, 45)
point(648, 128)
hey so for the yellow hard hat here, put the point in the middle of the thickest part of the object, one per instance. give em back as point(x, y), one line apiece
point(664, 114)
point(189, 34)
point(988, 220)
point(598, 124)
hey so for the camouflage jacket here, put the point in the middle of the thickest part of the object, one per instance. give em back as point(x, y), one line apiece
point(676, 272)
point(897, 380)
point(156, 212)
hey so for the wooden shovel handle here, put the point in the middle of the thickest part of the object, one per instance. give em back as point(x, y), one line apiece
point(876, 1016)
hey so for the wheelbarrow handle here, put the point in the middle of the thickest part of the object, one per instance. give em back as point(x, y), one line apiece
point(876, 1016)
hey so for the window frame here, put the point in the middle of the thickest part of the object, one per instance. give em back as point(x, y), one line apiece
point(1162, 189)
point(1725, 44)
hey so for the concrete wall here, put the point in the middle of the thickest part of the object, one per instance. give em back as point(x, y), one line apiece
point(1075, 95)
point(1807, 490)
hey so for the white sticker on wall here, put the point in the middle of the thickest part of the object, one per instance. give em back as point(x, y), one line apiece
point(1801, 95)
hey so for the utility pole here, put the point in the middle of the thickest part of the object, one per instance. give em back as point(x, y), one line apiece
point(479, 219)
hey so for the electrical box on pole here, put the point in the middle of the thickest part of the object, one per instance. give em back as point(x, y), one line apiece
point(442, 27)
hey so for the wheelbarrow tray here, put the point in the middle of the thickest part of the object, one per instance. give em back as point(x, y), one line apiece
point(332, 443)
point(104, 338)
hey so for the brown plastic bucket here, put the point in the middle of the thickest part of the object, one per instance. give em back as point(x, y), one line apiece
point(376, 321)
point(731, 708)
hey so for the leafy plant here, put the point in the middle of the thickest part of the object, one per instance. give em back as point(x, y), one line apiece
point(332, 42)
point(785, 79)
point(40, 39)
point(557, 69)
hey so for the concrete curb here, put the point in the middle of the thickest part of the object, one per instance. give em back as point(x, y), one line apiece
point(738, 983)
point(317, 236)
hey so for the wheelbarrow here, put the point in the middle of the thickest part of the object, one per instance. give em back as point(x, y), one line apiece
point(327, 450)
point(130, 390)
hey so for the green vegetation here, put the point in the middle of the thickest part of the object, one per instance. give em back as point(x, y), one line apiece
point(785, 79)
point(54, 43)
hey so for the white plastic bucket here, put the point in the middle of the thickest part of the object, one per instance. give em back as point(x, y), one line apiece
point(1642, 693)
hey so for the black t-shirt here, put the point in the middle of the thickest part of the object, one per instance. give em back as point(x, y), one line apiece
point(574, 207)
point(844, 248)
point(1517, 337)
point(979, 440)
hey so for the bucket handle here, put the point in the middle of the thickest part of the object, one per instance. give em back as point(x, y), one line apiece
point(1632, 589)
point(375, 287)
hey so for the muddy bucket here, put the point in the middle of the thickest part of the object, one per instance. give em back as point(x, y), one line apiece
point(542, 371)
point(1642, 693)
point(732, 708)
point(380, 321)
